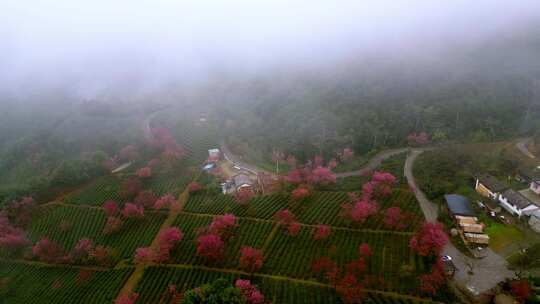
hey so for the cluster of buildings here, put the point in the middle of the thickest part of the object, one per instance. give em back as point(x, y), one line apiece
point(469, 228)
point(523, 203)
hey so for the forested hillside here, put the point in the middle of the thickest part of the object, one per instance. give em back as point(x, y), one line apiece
point(477, 93)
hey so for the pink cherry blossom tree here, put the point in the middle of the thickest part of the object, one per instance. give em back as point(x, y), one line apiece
point(113, 224)
point(144, 172)
point(48, 251)
point(128, 298)
point(430, 240)
point(394, 218)
point(364, 250)
point(147, 199)
point(144, 255)
point(322, 232)
point(166, 241)
point(251, 259)
point(11, 237)
point(294, 228)
point(433, 281)
point(104, 255)
point(210, 246)
point(194, 187)
point(244, 195)
point(165, 202)
point(111, 208)
point(251, 293)
point(300, 194)
point(418, 139)
point(82, 250)
point(223, 225)
point(133, 211)
point(285, 216)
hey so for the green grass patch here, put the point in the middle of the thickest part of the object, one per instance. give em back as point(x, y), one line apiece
point(501, 235)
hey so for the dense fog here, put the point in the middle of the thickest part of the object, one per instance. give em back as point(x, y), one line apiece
point(86, 48)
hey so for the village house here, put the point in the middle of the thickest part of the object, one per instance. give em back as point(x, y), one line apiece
point(516, 203)
point(460, 209)
point(531, 177)
point(489, 186)
point(242, 180)
point(214, 154)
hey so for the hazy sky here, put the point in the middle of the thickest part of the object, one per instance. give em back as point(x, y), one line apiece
point(96, 44)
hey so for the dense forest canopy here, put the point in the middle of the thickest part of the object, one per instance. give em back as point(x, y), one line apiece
point(488, 92)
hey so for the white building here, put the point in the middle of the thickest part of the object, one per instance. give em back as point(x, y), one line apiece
point(516, 203)
point(214, 153)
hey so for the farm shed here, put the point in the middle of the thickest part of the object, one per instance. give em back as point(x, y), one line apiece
point(458, 205)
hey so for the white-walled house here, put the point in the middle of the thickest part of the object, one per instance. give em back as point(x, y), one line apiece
point(489, 186)
point(516, 203)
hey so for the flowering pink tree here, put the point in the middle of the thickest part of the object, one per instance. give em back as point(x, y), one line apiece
point(244, 195)
point(311, 173)
point(419, 139)
point(144, 172)
point(362, 209)
point(11, 237)
point(113, 224)
point(430, 240)
point(223, 225)
point(166, 241)
point(111, 208)
point(294, 228)
point(210, 246)
point(300, 194)
point(322, 175)
point(322, 232)
point(19, 212)
point(128, 298)
point(433, 281)
point(82, 251)
point(364, 250)
point(147, 199)
point(132, 211)
point(285, 216)
point(164, 202)
point(251, 293)
point(251, 259)
point(144, 255)
point(394, 218)
point(325, 266)
point(154, 164)
point(194, 187)
point(103, 255)
point(48, 251)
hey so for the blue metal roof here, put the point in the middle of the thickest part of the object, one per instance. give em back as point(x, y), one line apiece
point(458, 205)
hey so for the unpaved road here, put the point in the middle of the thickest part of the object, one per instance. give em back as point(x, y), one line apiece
point(522, 144)
point(488, 271)
point(373, 163)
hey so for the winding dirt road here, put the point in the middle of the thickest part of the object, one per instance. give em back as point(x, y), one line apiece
point(522, 144)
